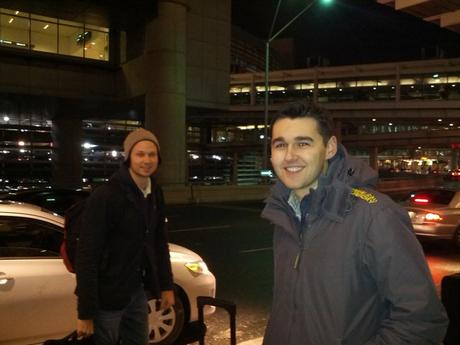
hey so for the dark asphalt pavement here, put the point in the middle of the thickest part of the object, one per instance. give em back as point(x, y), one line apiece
point(237, 246)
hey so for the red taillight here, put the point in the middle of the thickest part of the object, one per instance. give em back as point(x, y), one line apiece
point(433, 217)
point(421, 200)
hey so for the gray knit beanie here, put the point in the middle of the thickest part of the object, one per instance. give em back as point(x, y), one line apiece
point(135, 136)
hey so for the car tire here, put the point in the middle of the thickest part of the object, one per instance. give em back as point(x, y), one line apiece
point(165, 326)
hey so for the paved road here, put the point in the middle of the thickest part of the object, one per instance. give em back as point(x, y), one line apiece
point(236, 244)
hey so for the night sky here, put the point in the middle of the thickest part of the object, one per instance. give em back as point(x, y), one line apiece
point(348, 31)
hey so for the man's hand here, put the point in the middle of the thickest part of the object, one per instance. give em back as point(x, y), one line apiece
point(85, 328)
point(167, 299)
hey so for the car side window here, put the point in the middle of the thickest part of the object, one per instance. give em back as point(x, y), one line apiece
point(55, 201)
point(25, 237)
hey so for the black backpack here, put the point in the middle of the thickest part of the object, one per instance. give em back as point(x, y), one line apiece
point(72, 226)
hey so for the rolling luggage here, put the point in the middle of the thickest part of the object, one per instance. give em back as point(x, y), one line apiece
point(230, 307)
point(71, 339)
point(196, 330)
point(450, 296)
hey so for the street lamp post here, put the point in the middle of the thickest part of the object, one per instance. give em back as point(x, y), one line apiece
point(270, 38)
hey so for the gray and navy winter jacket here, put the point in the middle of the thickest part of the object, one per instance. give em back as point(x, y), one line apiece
point(350, 271)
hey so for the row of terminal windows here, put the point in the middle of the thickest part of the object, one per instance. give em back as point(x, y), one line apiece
point(27, 152)
point(428, 87)
point(32, 32)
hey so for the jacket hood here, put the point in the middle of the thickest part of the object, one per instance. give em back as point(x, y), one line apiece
point(350, 170)
point(332, 197)
point(123, 178)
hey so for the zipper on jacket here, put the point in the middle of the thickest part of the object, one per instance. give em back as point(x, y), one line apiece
point(297, 258)
point(303, 227)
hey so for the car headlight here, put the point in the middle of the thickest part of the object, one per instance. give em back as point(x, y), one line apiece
point(197, 267)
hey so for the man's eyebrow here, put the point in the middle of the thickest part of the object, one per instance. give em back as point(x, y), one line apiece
point(278, 139)
point(298, 138)
point(304, 138)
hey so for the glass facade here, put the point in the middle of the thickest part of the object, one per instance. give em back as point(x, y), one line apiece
point(27, 150)
point(52, 35)
point(369, 89)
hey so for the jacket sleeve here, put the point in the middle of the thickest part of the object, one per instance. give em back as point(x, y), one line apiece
point(396, 262)
point(162, 250)
point(90, 248)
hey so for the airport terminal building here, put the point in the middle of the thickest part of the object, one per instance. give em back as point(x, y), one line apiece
point(76, 75)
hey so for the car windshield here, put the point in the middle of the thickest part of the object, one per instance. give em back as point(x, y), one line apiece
point(432, 196)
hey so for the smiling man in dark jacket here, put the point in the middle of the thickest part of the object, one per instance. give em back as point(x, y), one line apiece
point(123, 250)
point(348, 268)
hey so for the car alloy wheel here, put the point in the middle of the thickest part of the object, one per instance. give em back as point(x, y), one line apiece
point(165, 326)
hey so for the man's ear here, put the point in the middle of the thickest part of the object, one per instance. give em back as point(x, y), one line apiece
point(331, 147)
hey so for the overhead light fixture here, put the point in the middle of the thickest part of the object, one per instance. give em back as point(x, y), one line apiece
point(374, 119)
point(439, 120)
point(21, 143)
point(435, 75)
point(451, 124)
point(88, 145)
point(6, 118)
point(11, 20)
point(390, 124)
point(46, 26)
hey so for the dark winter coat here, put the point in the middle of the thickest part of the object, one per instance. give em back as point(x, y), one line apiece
point(351, 272)
point(122, 245)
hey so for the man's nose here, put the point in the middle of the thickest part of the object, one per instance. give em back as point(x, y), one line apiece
point(290, 153)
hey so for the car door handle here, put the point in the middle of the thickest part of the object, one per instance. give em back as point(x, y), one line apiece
point(4, 279)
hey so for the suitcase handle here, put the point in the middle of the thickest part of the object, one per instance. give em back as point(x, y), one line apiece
point(230, 307)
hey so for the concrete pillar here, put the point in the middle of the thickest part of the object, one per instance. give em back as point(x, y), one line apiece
point(373, 158)
point(398, 85)
point(165, 79)
point(67, 157)
point(454, 158)
point(315, 90)
point(338, 130)
point(234, 178)
point(253, 91)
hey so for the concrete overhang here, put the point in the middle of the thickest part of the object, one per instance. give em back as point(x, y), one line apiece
point(445, 13)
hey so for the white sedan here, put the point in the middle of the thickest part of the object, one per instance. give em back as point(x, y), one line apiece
point(37, 300)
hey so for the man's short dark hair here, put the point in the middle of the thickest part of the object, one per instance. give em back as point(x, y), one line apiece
point(295, 110)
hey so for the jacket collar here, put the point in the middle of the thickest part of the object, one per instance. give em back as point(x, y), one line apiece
point(332, 198)
point(123, 178)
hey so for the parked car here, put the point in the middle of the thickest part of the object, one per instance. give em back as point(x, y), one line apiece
point(435, 213)
point(54, 199)
point(37, 300)
point(454, 174)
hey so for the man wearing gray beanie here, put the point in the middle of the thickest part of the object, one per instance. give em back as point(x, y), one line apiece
point(123, 254)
